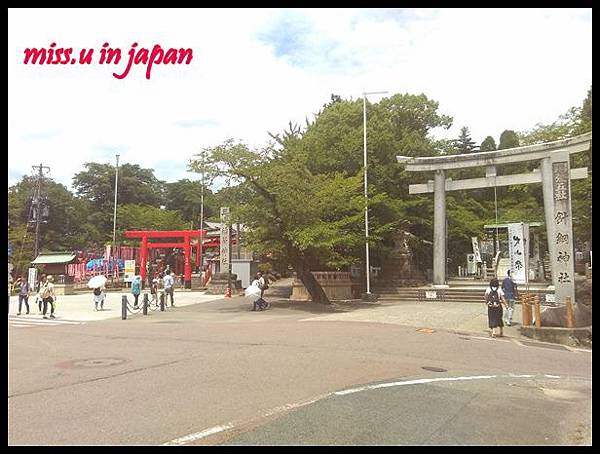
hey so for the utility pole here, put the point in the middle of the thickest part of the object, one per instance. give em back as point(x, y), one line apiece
point(37, 202)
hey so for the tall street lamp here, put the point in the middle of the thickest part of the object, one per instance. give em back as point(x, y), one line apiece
point(199, 166)
point(201, 239)
point(368, 268)
point(115, 212)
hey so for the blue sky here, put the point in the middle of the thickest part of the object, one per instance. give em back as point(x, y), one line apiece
point(256, 70)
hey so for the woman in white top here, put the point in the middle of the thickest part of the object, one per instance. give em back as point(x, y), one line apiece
point(48, 296)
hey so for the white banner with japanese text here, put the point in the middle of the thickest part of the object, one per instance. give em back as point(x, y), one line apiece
point(518, 251)
point(225, 240)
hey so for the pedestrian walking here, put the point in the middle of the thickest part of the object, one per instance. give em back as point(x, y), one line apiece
point(136, 289)
point(262, 283)
point(509, 287)
point(38, 289)
point(169, 286)
point(22, 286)
point(154, 290)
point(259, 303)
point(494, 298)
point(99, 297)
point(48, 297)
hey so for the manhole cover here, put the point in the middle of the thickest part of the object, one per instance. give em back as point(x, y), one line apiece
point(91, 362)
point(434, 369)
point(464, 338)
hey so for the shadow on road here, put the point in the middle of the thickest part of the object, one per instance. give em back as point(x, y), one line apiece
point(243, 304)
point(278, 296)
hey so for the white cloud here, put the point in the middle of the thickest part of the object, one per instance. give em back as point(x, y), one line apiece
point(489, 69)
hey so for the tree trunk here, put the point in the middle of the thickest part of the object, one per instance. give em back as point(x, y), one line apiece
point(316, 292)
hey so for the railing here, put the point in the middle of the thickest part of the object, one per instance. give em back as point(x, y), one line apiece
point(147, 304)
point(531, 303)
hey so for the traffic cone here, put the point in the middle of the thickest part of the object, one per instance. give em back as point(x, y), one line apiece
point(228, 292)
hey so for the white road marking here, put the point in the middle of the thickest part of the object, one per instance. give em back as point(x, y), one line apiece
point(411, 382)
point(25, 322)
point(199, 435)
point(43, 321)
point(291, 406)
point(216, 429)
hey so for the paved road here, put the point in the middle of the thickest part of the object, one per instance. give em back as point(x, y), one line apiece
point(216, 373)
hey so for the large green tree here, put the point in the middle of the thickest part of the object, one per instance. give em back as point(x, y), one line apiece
point(308, 220)
point(136, 186)
point(144, 217)
point(185, 196)
point(302, 195)
point(398, 125)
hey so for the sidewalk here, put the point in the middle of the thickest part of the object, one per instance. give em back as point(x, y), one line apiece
point(456, 317)
point(80, 307)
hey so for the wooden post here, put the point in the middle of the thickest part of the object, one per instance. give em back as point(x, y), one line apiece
point(570, 320)
point(526, 313)
point(538, 312)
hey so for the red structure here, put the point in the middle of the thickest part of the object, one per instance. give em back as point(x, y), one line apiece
point(184, 235)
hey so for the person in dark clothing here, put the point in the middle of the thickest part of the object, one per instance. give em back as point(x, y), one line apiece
point(22, 286)
point(494, 298)
point(509, 287)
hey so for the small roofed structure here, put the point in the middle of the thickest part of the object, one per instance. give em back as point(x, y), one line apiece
point(55, 264)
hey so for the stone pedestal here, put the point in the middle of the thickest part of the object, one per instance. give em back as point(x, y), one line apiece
point(64, 289)
point(196, 281)
point(218, 284)
point(336, 285)
point(400, 269)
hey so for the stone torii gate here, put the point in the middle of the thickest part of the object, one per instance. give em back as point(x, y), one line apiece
point(554, 174)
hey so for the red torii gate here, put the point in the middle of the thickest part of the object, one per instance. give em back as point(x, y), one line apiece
point(186, 235)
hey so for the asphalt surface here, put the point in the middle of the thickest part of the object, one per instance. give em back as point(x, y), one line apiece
point(216, 373)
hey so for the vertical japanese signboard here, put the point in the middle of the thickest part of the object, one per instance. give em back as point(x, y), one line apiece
point(518, 251)
point(476, 252)
point(129, 270)
point(563, 232)
point(225, 240)
point(32, 277)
